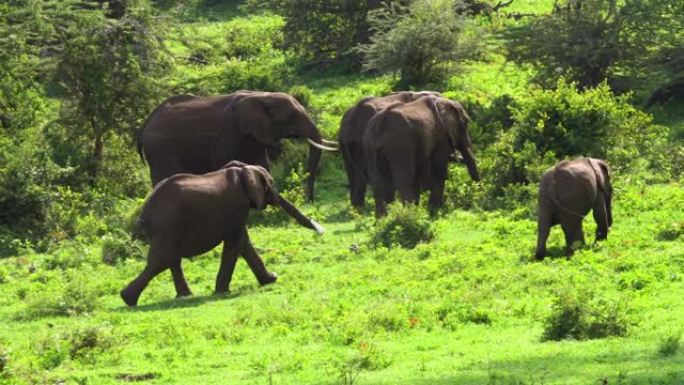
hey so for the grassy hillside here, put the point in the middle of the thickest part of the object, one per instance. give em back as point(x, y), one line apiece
point(469, 307)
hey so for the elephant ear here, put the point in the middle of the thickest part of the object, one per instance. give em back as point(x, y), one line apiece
point(258, 185)
point(253, 119)
point(460, 133)
point(454, 120)
point(602, 173)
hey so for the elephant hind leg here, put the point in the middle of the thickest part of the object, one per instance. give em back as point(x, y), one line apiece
point(179, 282)
point(572, 228)
point(383, 192)
point(544, 223)
point(600, 213)
point(231, 249)
point(406, 181)
point(131, 293)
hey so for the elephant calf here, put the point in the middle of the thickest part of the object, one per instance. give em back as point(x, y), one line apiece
point(566, 194)
point(187, 215)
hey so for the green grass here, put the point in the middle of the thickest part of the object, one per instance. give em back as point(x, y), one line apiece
point(469, 307)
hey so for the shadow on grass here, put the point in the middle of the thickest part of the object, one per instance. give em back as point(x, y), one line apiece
point(553, 252)
point(186, 302)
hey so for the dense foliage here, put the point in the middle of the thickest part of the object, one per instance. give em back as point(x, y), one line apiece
point(420, 42)
point(588, 41)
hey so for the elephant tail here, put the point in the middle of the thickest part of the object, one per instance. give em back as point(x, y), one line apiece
point(139, 230)
point(139, 147)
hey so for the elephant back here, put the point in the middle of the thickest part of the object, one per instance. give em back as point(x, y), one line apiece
point(186, 116)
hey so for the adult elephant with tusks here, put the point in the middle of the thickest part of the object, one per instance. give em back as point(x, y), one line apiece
point(198, 134)
point(567, 192)
point(350, 137)
point(188, 214)
point(408, 146)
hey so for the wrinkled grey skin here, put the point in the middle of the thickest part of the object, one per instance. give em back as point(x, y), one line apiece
point(407, 147)
point(188, 214)
point(350, 137)
point(567, 192)
point(199, 134)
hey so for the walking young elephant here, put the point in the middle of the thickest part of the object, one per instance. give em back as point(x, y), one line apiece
point(408, 147)
point(350, 137)
point(187, 215)
point(566, 194)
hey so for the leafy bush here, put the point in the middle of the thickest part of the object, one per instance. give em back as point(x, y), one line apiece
point(669, 346)
point(33, 207)
point(671, 231)
point(118, 246)
point(582, 316)
point(264, 74)
point(453, 315)
point(80, 295)
point(4, 359)
point(321, 32)
point(587, 41)
point(419, 41)
point(106, 75)
point(404, 226)
point(87, 343)
point(303, 94)
point(550, 125)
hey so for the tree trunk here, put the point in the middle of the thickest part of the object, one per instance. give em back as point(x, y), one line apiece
point(96, 158)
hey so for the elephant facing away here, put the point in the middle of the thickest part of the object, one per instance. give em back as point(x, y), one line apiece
point(188, 214)
point(350, 137)
point(408, 146)
point(567, 192)
point(199, 134)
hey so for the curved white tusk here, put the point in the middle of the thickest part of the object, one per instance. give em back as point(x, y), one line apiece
point(320, 146)
point(330, 142)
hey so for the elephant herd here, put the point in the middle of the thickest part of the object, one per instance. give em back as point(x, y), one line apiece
point(209, 161)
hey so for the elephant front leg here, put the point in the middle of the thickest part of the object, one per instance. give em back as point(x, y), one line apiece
point(255, 263)
point(438, 177)
point(228, 260)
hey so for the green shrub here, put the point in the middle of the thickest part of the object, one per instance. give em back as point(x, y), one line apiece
point(671, 231)
point(303, 94)
point(118, 246)
point(419, 41)
point(669, 346)
point(86, 343)
point(591, 40)
point(582, 316)
point(452, 315)
point(4, 359)
point(33, 207)
point(551, 125)
point(404, 226)
point(79, 296)
point(51, 351)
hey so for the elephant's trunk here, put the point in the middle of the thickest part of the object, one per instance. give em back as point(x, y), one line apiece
point(298, 216)
point(307, 129)
point(470, 162)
